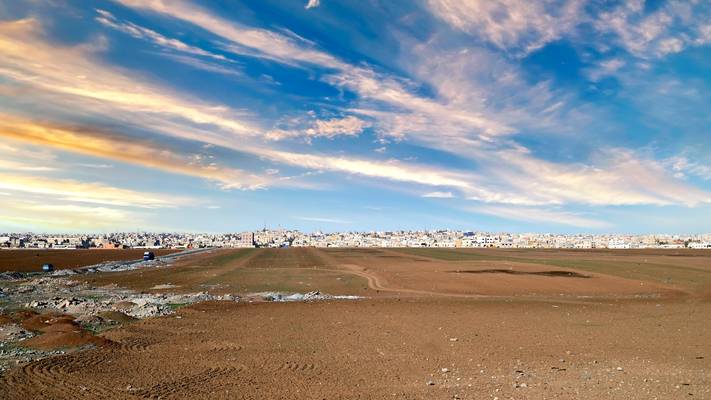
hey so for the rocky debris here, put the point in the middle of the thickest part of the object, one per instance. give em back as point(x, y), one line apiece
point(11, 276)
point(13, 332)
point(164, 286)
point(137, 305)
point(310, 296)
point(97, 308)
point(11, 356)
point(91, 307)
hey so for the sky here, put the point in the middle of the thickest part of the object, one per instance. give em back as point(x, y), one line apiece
point(222, 116)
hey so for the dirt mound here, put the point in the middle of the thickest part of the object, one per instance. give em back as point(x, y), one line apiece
point(561, 274)
point(5, 319)
point(42, 322)
point(56, 331)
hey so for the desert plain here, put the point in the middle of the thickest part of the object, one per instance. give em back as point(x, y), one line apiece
point(419, 324)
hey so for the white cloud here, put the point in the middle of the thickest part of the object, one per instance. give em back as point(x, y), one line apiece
point(396, 171)
point(605, 68)
point(682, 166)
point(244, 40)
point(139, 32)
point(68, 190)
point(670, 45)
point(618, 177)
point(197, 63)
point(331, 128)
point(520, 26)
point(439, 195)
point(71, 72)
point(671, 28)
point(312, 4)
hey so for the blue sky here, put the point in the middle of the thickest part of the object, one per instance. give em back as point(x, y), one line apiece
point(555, 116)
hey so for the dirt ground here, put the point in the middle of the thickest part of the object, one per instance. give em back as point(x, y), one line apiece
point(436, 324)
point(31, 260)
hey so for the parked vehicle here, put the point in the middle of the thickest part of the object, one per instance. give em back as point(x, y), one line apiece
point(48, 267)
point(149, 255)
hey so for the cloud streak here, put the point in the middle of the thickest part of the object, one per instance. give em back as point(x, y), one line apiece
point(68, 190)
point(519, 26)
point(101, 143)
point(30, 61)
point(542, 215)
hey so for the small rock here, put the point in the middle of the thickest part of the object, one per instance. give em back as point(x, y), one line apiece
point(430, 383)
point(445, 370)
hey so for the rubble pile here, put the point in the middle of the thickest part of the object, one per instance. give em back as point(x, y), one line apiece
point(310, 296)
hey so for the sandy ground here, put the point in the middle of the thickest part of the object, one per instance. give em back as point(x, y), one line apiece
point(436, 325)
point(29, 260)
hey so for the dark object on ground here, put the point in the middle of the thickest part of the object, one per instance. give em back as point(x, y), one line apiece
point(48, 267)
point(562, 274)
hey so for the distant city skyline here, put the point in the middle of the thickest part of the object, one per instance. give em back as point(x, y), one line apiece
point(295, 238)
point(561, 116)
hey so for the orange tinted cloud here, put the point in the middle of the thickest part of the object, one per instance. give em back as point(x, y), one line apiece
point(120, 148)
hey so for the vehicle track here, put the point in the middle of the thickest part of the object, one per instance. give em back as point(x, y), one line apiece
point(190, 386)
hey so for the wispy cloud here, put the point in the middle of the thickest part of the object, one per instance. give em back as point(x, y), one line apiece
point(65, 217)
point(324, 220)
point(439, 195)
point(107, 19)
point(70, 71)
point(547, 216)
point(395, 171)
point(516, 26)
point(67, 190)
point(312, 4)
point(330, 128)
point(244, 40)
point(682, 166)
point(196, 63)
point(669, 29)
point(101, 143)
